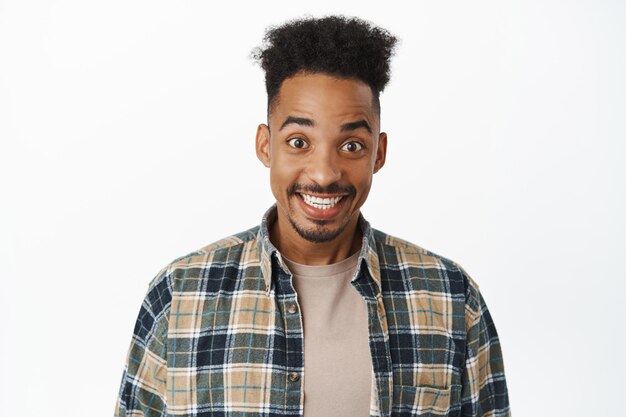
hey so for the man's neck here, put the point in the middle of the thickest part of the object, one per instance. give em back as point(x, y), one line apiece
point(297, 249)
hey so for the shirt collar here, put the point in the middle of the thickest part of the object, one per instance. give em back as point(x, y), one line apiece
point(368, 256)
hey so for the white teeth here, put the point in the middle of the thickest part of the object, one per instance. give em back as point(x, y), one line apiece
point(320, 203)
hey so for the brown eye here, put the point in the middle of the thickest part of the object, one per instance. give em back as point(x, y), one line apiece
point(297, 143)
point(352, 147)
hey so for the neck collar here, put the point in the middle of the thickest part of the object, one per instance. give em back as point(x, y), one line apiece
point(368, 256)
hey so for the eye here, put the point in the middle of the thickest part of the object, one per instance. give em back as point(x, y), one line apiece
point(352, 147)
point(297, 143)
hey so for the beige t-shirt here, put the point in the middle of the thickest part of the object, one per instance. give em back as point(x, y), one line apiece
point(337, 359)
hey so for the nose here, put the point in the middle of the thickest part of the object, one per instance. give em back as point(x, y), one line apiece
point(323, 167)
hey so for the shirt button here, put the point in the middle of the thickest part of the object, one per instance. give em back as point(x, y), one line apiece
point(294, 376)
point(292, 309)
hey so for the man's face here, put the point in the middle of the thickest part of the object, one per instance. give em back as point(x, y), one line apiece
point(322, 147)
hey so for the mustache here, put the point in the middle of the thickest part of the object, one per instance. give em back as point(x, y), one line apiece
point(333, 188)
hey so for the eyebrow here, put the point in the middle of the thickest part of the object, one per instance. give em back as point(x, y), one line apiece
point(346, 127)
point(297, 121)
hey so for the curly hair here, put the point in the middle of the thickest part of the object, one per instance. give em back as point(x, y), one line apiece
point(343, 47)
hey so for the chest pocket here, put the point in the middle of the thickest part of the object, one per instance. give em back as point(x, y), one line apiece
point(420, 401)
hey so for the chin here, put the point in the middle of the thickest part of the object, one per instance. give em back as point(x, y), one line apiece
point(318, 234)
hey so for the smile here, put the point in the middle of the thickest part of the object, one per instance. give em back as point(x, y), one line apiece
point(319, 202)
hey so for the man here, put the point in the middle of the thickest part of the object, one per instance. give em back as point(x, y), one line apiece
point(314, 312)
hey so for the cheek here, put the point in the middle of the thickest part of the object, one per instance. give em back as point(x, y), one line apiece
point(364, 189)
point(361, 178)
point(283, 173)
point(362, 174)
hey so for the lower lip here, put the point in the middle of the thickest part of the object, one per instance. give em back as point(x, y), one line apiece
point(322, 214)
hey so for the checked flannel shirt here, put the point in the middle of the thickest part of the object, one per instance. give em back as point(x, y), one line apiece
point(220, 334)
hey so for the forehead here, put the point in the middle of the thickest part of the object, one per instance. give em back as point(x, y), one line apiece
point(321, 96)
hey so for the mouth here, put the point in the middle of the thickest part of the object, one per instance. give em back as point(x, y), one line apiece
point(318, 207)
point(322, 203)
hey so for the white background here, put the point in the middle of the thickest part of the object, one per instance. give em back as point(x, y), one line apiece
point(127, 132)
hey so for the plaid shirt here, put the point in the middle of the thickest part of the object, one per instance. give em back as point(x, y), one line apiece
point(220, 334)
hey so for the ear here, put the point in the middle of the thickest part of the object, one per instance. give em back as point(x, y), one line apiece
point(381, 152)
point(263, 144)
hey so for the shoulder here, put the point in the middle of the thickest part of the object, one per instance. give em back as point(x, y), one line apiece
point(229, 251)
point(427, 266)
point(411, 253)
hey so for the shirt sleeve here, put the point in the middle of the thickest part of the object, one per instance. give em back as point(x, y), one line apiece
point(142, 390)
point(484, 391)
